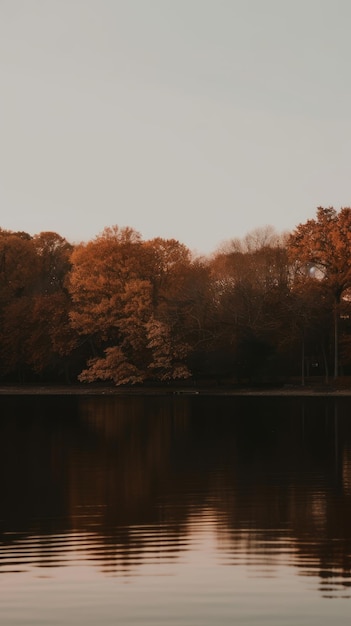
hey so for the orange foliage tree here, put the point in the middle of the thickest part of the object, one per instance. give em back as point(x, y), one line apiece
point(321, 248)
point(119, 284)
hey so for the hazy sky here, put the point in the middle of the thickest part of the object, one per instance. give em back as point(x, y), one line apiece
point(198, 120)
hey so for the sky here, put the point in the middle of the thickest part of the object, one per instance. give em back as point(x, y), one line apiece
point(199, 120)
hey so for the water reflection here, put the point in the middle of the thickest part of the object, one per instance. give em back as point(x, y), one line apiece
point(130, 483)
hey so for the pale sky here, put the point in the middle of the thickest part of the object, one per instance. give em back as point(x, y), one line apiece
point(198, 120)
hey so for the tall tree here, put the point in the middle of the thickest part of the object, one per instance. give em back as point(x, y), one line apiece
point(321, 248)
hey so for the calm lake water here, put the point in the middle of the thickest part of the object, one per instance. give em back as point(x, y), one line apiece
point(178, 510)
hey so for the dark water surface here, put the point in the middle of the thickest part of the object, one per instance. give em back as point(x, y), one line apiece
point(175, 510)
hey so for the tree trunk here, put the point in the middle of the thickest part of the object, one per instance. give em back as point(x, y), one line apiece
point(325, 361)
point(336, 337)
point(303, 361)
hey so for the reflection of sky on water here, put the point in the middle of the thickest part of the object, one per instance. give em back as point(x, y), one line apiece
point(201, 585)
point(155, 551)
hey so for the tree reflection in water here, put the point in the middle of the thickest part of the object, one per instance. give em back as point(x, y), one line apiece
point(123, 479)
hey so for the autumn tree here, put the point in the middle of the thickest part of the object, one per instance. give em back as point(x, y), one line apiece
point(120, 288)
point(167, 264)
point(174, 276)
point(101, 282)
point(35, 334)
point(52, 339)
point(321, 248)
point(18, 268)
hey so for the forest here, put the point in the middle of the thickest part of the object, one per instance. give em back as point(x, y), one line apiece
point(265, 309)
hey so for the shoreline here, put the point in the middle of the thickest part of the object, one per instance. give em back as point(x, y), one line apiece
point(77, 390)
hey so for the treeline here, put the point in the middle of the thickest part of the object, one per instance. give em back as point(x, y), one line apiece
point(120, 309)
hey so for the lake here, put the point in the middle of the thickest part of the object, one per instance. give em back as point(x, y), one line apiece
point(179, 510)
